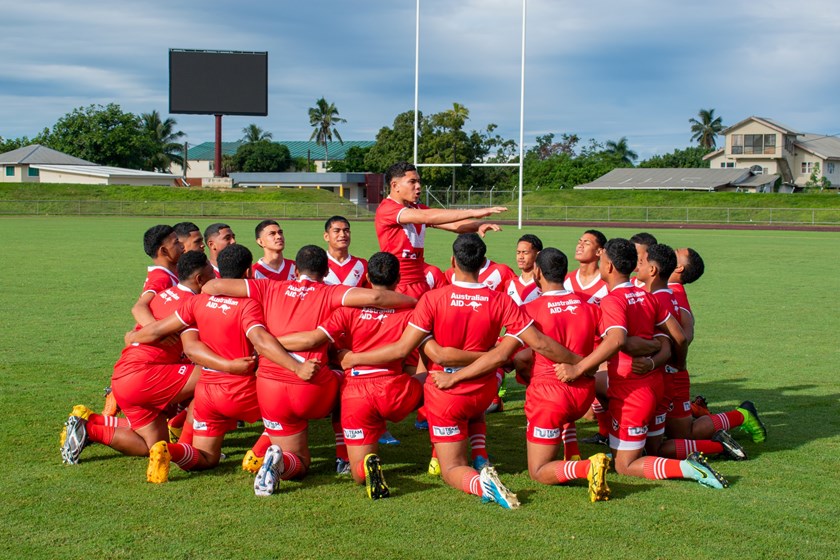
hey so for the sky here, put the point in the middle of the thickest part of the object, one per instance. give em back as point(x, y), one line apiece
point(602, 69)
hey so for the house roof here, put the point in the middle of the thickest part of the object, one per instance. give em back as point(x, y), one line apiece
point(298, 149)
point(678, 179)
point(103, 171)
point(296, 179)
point(38, 154)
point(765, 121)
point(826, 147)
point(716, 153)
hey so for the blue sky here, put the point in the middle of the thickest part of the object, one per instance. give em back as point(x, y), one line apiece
point(601, 69)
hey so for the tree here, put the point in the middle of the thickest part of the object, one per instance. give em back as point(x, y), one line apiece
point(261, 157)
point(621, 151)
point(104, 135)
point(396, 143)
point(253, 133)
point(817, 179)
point(688, 157)
point(705, 128)
point(165, 141)
point(546, 146)
point(353, 162)
point(323, 117)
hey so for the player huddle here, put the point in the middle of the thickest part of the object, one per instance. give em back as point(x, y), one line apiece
point(367, 342)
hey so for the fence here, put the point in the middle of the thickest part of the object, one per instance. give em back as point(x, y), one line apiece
point(285, 210)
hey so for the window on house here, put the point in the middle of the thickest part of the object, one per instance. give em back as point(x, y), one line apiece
point(770, 144)
point(727, 164)
point(212, 165)
point(10, 171)
point(737, 144)
point(33, 172)
point(788, 144)
point(807, 167)
point(830, 167)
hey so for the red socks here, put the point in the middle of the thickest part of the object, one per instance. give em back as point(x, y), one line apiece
point(570, 470)
point(685, 447)
point(727, 420)
point(471, 483)
point(292, 466)
point(184, 455)
point(570, 442)
point(657, 468)
point(478, 439)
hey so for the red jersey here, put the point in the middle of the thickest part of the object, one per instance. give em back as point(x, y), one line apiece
point(295, 306)
point(162, 305)
point(522, 292)
point(565, 317)
point(285, 272)
point(468, 316)
point(223, 324)
point(681, 296)
point(365, 329)
point(435, 277)
point(158, 279)
point(634, 311)
point(352, 272)
point(593, 292)
point(404, 241)
point(493, 275)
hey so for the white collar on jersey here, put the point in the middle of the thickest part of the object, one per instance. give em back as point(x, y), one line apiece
point(185, 288)
point(555, 293)
point(468, 285)
point(303, 277)
point(627, 284)
point(338, 262)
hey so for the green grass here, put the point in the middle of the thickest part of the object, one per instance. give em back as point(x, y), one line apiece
point(766, 330)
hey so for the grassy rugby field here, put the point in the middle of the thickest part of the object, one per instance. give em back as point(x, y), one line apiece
point(766, 330)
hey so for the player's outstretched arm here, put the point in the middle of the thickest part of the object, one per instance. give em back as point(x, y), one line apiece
point(383, 299)
point(269, 347)
point(201, 354)
point(155, 330)
point(141, 311)
point(611, 343)
point(410, 339)
point(226, 287)
point(448, 356)
point(440, 217)
point(304, 340)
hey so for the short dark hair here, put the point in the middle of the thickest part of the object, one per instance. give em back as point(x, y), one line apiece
point(214, 229)
point(262, 225)
point(664, 257)
point(154, 238)
point(184, 229)
point(694, 269)
point(622, 254)
point(599, 237)
point(644, 238)
point(398, 170)
point(535, 241)
point(553, 264)
point(189, 263)
point(312, 259)
point(234, 260)
point(383, 269)
point(330, 221)
point(469, 251)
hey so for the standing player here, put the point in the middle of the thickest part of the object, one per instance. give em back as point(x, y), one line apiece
point(522, 288)
point(344, 267)
point(469, 316)
point(629, 311)
point(401, 225)
point(272, 264)
point(218, 236)
point(288, 401)
point(189, 234)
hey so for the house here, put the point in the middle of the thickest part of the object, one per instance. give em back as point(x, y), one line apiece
point(359, 188)
point(39, 164)
point(201, 157)
point(683, 179)
point(768, 147)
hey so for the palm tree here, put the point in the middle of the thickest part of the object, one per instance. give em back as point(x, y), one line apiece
point(166, 146)
point(323, 118)
point(706, 128)
point(621, 151)
point(253, 133)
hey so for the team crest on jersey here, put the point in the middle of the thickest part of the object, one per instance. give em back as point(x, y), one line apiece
point(446, 431)
point(354, 434)
point(546, 433)
point(272, 425)
point(199, 426)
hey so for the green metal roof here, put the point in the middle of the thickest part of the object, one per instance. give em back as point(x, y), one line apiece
point(298, 149)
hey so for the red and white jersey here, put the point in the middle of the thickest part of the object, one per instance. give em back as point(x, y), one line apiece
point(286, 271)
point(223, 324)
point(404, 241)
point(435, 277)
point(634, 311)
point(295, 306)
point(493, 275)
point(162, 305)
point(522, 292)
point(158, 279)
point(638, 283)
point(593, 292)
point(366, 329)
point(216, 272)
point(467, 316)
point(352, 272)
point(568, 319)
point(681, 297)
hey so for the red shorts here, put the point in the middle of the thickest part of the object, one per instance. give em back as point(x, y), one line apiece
point(367, 403)
point(633, 403)
point(678, 390)
point(413, 289)
point(549, 405)
point(143, 390)
point(217, 406)
point(449, 415)
point(287, 408)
